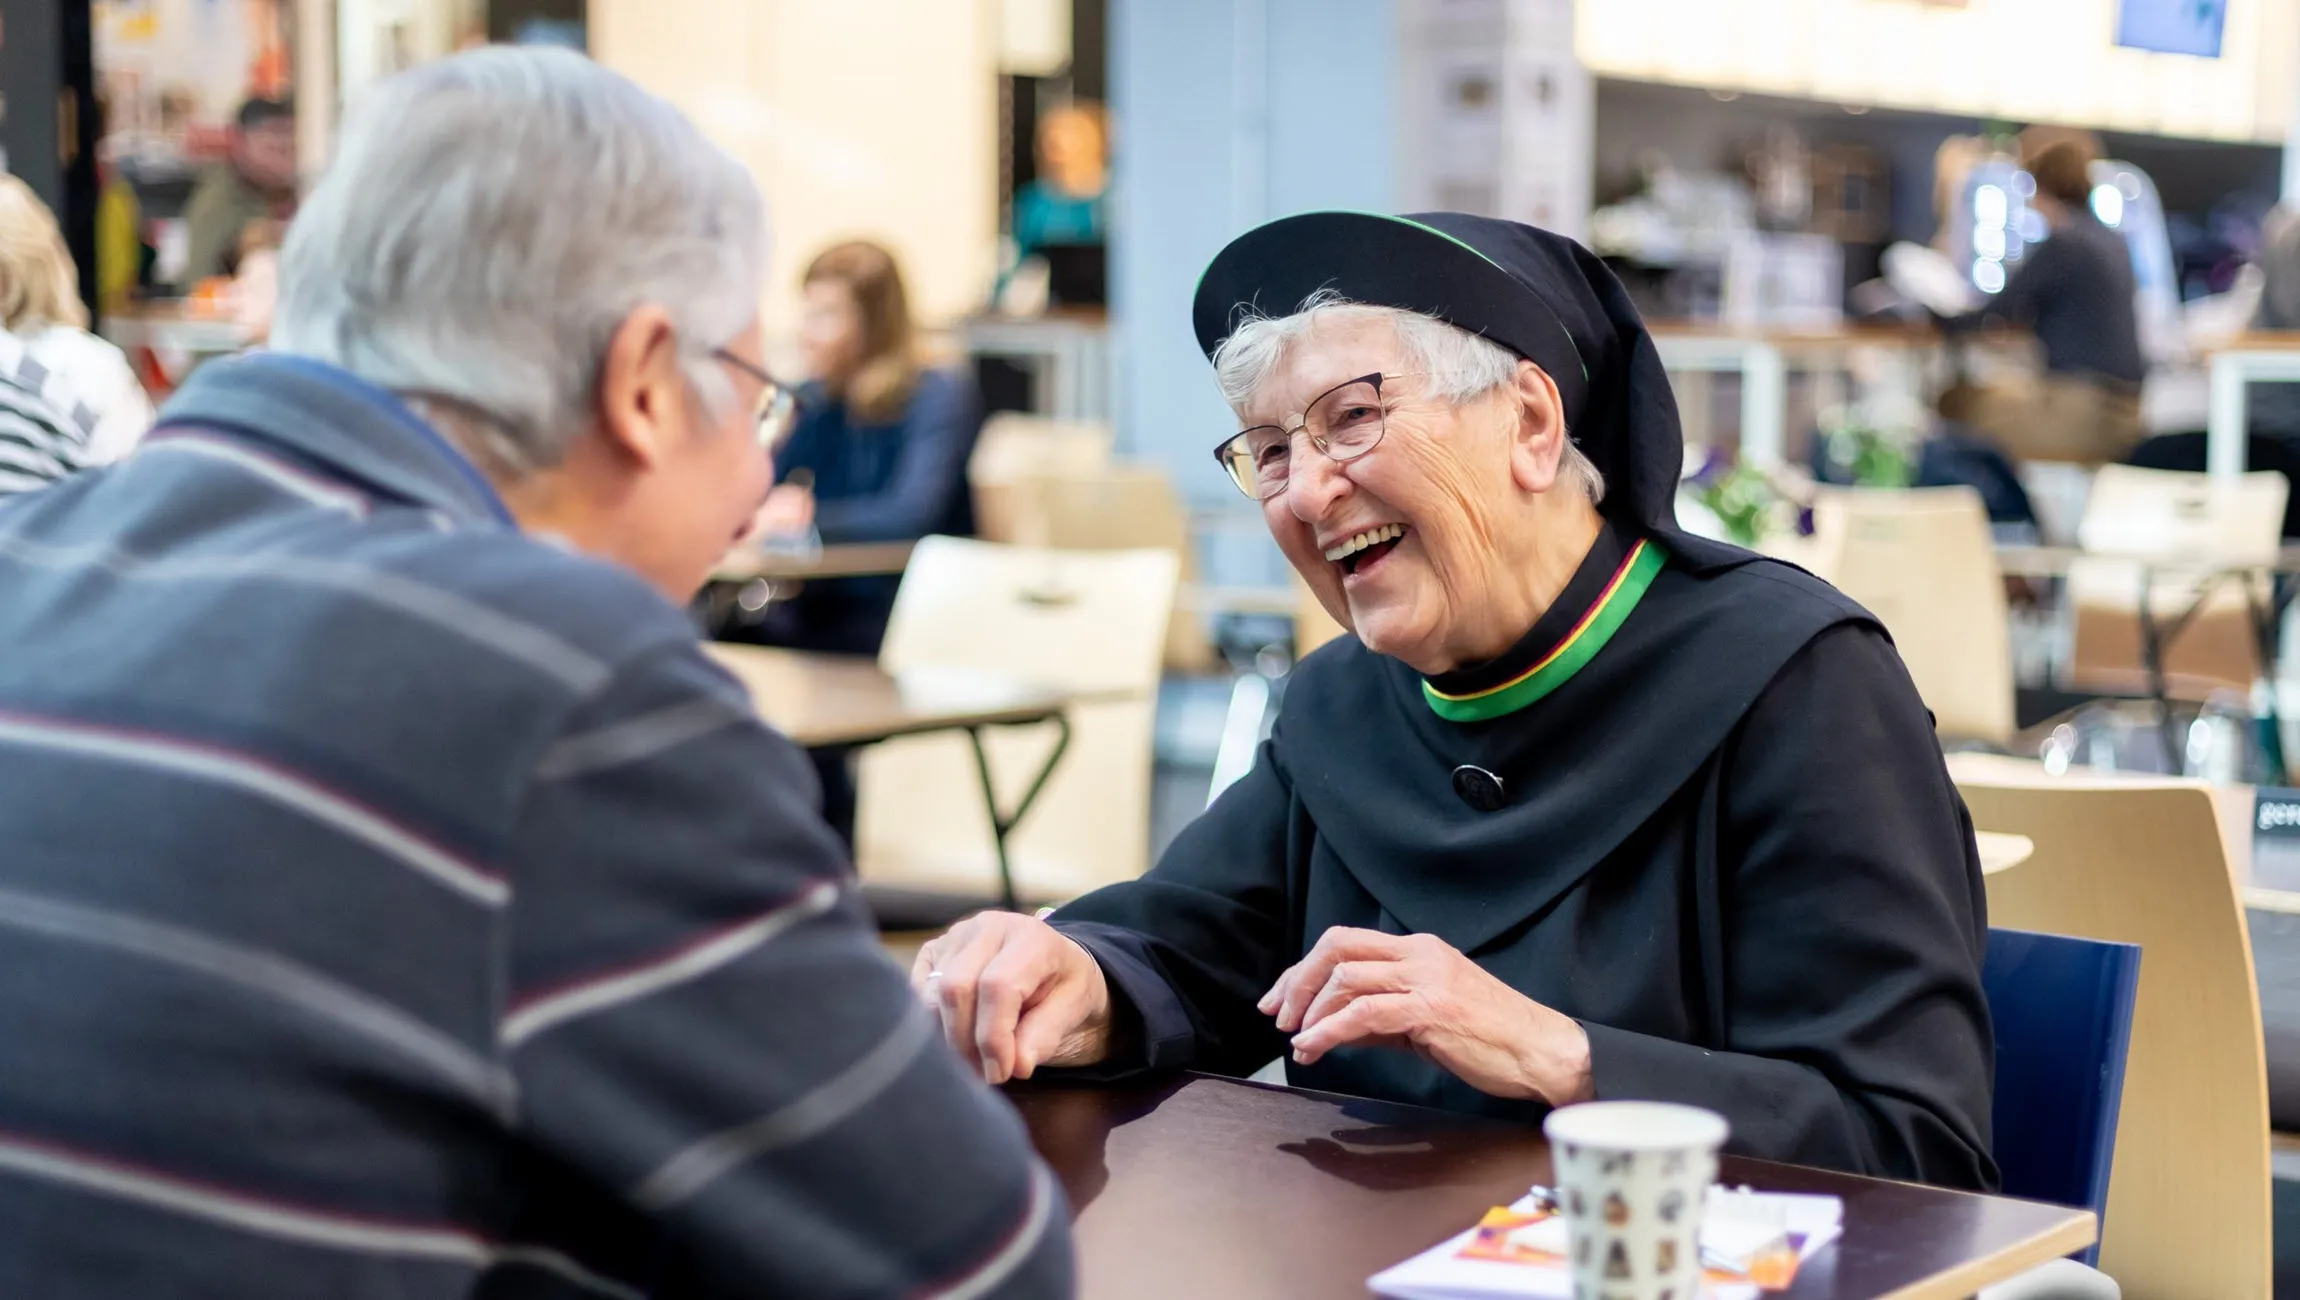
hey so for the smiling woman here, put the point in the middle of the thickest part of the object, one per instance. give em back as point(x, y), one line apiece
point(1474, 426)
point(1587, 808)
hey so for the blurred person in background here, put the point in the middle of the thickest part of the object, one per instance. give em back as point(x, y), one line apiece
point(880, 450)
point(879, 455)
point(2075, 292)
point(399, 902)
point(255, 279)
point(88, 378)
point(255, 183)
point(2274, 409)
point(1061, 217)
point(1066, 203)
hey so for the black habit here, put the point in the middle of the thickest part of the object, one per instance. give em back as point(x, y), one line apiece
point(1725, 842)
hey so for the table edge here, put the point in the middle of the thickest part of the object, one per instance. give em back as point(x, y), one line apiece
point(1967, 1279)
point(1017, 716)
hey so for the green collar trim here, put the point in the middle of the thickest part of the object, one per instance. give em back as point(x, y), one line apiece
point(1581, 645)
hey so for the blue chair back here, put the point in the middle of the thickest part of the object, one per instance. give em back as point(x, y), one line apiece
point(2063, 1013)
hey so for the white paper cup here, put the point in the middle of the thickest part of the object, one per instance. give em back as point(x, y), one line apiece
point(1631, 1178)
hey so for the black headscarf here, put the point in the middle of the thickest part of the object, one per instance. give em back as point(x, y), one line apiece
point(1540, 295)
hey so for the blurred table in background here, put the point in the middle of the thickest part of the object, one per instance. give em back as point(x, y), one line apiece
point(1763, 358)
point(856, 560)
point(166, 340)
point(1207, 1187)
point(2263, 609)
point(823, 701)
point(2054, 561)
point(749, 579)
point(2258, 357)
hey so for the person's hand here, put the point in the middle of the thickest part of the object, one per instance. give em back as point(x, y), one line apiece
point(1014, 995)
point(788, 509)
point(1416, 991)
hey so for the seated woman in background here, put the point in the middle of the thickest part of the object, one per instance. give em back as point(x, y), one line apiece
point(40, 305)
point(879, 454)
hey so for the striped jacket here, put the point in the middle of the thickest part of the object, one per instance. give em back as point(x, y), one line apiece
point(45, 426)
point(392, 904)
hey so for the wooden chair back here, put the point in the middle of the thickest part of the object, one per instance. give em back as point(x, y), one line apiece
point(1013, 448)
point(1120, 506)
point(1924, 563)
point(2164, 535)
point(2134, 860)
point(1091, 622)
point(2170, 515)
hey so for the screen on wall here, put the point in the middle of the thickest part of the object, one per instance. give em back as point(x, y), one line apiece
point(2172, 26)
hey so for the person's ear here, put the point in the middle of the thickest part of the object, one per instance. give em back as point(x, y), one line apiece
point(642, 392)
point(1537, 444)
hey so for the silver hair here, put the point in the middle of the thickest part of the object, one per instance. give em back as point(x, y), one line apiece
point(1460, 366)
point(488, 222)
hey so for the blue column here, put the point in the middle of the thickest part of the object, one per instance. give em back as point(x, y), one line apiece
point(1228, 113)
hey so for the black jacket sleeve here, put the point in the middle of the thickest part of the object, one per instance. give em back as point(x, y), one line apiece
point(1857, 1033)
point(1191, 946)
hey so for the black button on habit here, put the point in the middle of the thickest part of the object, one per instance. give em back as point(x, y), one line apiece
point(1478, 788)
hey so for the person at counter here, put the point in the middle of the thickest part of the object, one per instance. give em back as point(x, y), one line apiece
point(1061, 217)
point(2075, 292)
point(880, 451)
point(1587, 807)
point(255, 183)
point(2274, 409)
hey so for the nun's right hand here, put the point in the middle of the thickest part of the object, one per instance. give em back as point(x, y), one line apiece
point(1014, 994)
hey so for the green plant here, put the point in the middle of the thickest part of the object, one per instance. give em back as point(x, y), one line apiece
point(1743, 500)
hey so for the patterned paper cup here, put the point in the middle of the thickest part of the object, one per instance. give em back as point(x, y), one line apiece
point(1631, 1176)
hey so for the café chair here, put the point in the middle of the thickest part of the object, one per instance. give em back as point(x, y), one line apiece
point(1091, 624)
point(1923, 561)
point(1111, 506)
point(1013, 448)
point(2062, 1009)
point(2163, 552)
point(2127, 859)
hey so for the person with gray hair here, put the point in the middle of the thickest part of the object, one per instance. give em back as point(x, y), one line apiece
point(1583, 807)
point(398, 901)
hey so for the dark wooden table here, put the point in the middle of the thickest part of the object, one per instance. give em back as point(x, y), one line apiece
point(1213, 1188)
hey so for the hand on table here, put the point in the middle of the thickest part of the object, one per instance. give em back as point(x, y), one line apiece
point(788, 509)
point(1416, 991)
point(1014, 995)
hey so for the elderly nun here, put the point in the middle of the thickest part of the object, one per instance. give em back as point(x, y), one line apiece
point(1585, 808)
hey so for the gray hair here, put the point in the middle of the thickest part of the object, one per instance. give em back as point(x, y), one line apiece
point(1460, 366)
point(491, 218)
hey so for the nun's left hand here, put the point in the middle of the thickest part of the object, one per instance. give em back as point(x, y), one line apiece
point(1416, 991)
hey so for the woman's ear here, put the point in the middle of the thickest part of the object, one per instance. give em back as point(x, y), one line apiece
point(1538, 445)
point(641, 389)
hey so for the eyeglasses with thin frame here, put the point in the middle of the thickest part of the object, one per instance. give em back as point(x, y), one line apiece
point(1343, 423)
point(778, 410)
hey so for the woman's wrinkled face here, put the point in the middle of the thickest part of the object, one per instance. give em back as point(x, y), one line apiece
point(830, 330)
point(1439, 485)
